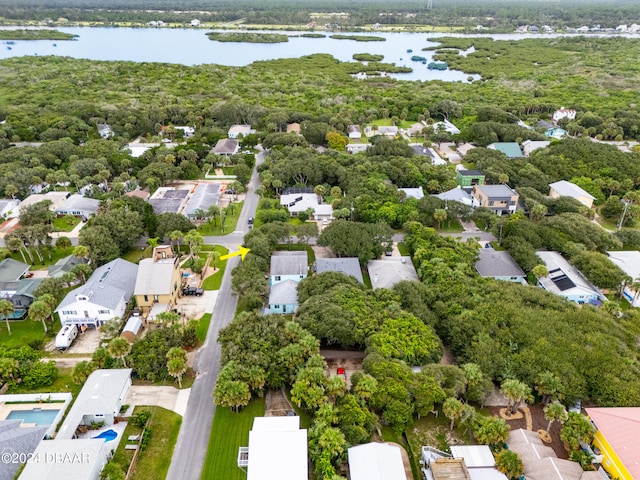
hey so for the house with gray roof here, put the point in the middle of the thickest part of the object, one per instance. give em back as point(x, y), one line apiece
point(168, 200)
point(347, 266)
point(236, 131)
point(416, 193)
point(226, 147)
point(529, 146)
point(568, 189)
point(288, 265)
point(13, 438)
point(283, 297)
point(9, 207)
point(78, 206)
point(104, 296)
point(64, 265)
point(499, 265)
point(99, 401)
point(457, 194)
point(81, 459)
point(500, 198)
point(105, 131)
point(24, 296)
point(12, 270)
point(205, 196)
point(388, 271)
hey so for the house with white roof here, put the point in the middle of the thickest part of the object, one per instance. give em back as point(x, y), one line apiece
point(105, 131)
point(99, 401)
point(237, 131)
point(302, 199)
point(629, 263)
point(78, 206)
point(568, 189)
point(277, 449)
point(388, 271)
point(56, 199)
point(9, 207)
point(354, 132)
point(564, 113)
point(447, 126)
point(416, 193)
point(376, 461)
point(529, 146)
point(79, 459)
point(104, 297)
point(566, 281)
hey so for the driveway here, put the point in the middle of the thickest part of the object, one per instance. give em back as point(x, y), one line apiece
point(193, 307)
point(166, 397)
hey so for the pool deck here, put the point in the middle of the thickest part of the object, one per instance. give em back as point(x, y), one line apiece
point(112, 444)
point(7, 408)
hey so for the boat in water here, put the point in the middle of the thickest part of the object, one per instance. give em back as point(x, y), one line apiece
point(409, 50)
point(437, 66)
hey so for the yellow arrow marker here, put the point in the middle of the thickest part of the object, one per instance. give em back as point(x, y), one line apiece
point(242, 251)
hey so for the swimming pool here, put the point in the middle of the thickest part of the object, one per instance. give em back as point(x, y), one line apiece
point(108, 435)
point(36, 415)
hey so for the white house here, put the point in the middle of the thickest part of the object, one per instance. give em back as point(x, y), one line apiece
point(102, 298)
point(376, 461)
point(105, 131)
point(195, 22)
point(457, 194)
point(416, 193)
point(388, 271)
point(564, 113)
point(9, 208)
point(297, 202)
point(99, 401)
point(79, 459)
point(226, 147)
point(78, 206)
point(235, 131)
point(529, 146)
point(566, 281)
point(354, 132)
point(568, 189)
point(187, 131)
point(629, 262)
point(277, 449)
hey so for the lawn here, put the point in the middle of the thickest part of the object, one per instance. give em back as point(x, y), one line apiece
point(55, 253)
point(203, 327)
point(230, 223)
point(229, 432)
point(23, 332)
point(64, 383)
point(135, 254)
point(212, 282)
point(154, 460)
point(451, 226)
point(403, 249)
point(65, 224)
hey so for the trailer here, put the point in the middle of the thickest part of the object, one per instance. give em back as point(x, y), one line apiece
point(66, 336)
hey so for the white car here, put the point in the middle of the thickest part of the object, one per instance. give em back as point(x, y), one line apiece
point(325, 222)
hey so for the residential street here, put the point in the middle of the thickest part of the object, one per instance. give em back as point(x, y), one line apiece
point(191, 448)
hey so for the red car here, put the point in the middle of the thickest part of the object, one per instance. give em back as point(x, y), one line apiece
point(342, 373)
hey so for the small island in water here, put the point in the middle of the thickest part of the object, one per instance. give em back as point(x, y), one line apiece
point(367, 57)
point(248, 37)
point(359, 38)
point(35, 34)
point(437, 66)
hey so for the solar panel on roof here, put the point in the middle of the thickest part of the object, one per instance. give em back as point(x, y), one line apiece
point(563, 283)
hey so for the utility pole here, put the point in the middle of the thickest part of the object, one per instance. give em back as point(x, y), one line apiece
point(624, 212)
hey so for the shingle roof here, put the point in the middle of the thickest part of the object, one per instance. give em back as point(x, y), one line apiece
point(13, 438)
point(494, 263)
point(470, 173)
point(348, 266)
point(64, 265)
point(284, 293)
point(11, 270)
point(417, 193)
point(27, 286)
point(79, 203)
point(620, 427)
point(107, 285)
point(226, 146)
point(100, 394)
point(289, 263)
point(206, 195)
point(563, 278)
point(455, 195)
point(170, 201)
point(387, 272)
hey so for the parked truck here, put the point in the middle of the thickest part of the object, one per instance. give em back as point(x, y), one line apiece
point(66, 336)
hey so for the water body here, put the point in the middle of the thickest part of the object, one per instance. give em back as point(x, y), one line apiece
point(193, 47)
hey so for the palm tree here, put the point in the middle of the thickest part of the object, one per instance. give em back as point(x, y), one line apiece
point(177, 363)
point(63, 243)
point(215, 256)
point(510, 463)
point(176, 235)
point(51, 302)
point(577, 429)
point(540, 271)
point(119, 347)
point(81, 251)
point(319, 190)
point(82, 271)
point(8, 369)
point(452, 409)
point(516, 392)
point(491, 430)
point(549, 385)
point(538, 212)
point(6, 309)
point(39, 311)
point(81, 372)
point(440, 215)
point(231, 393)
point(555, 412)
point(194, 239)
point(69, 278)
point(213, 212)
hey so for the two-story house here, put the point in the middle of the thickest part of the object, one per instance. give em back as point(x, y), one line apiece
point(158, 282)
point(500, 198)
point(104, 297)
point(287, 270)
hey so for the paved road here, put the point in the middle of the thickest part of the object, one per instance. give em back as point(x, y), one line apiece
point(191, 448)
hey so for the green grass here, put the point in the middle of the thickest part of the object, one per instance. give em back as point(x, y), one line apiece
point(366, 278)
point(23, 332)
point(451, 226)
point(229, 432)
point(56, 254)
point(154, 460)
point(403, 249)
point(135, 254)
point(230, 223)
point(64, 383)
point(203, 326)
point(212, 282)
point(305, 417)
point(64, 224)
point(298, 247)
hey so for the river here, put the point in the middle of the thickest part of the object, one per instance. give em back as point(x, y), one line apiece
point(192, 47)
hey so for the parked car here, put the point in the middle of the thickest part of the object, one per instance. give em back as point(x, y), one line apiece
point(192, 291)
point(342, 373)
point(250, 221)
point(325, 222)
point(230, 191)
